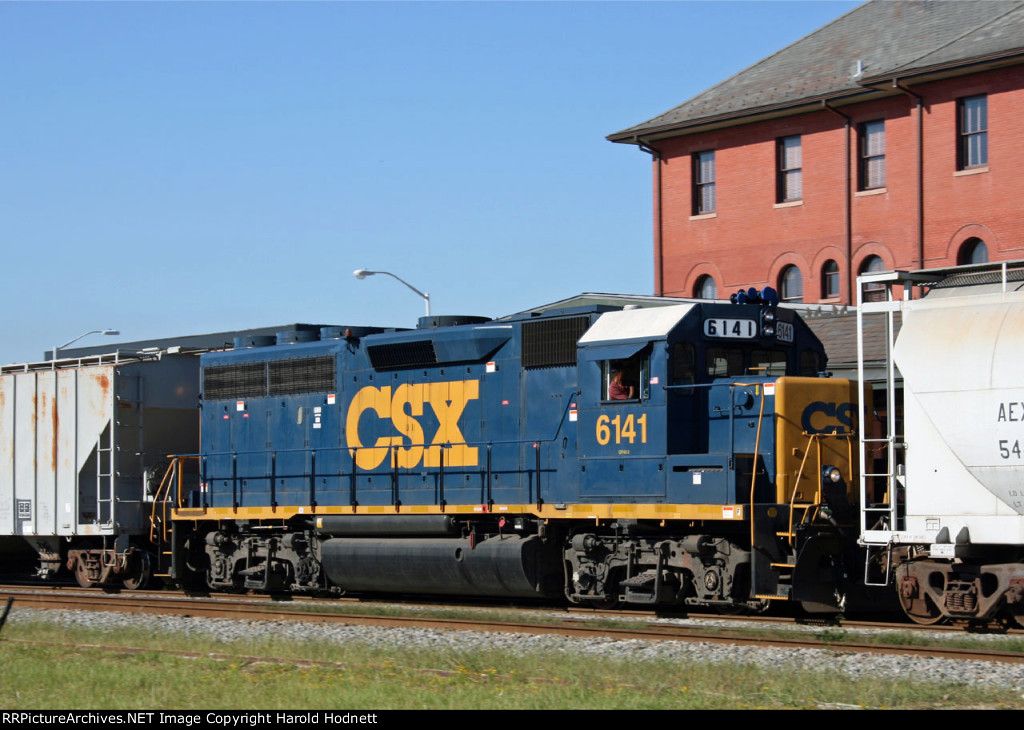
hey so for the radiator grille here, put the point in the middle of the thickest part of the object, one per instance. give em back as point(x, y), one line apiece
point(277, 377)
point(552, 342)
point(306, 375)
point(244, 380)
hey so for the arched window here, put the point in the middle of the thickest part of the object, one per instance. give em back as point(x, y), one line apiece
point(830, 280)
point(871, 265)
point(791, 285)
point(973, 251)
point(705, 288)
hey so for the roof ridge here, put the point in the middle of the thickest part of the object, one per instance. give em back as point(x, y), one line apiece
point(755, 64)
point(896, 38)
point(974, 29)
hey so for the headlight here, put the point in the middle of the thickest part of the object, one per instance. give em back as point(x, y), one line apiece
point(831, 474)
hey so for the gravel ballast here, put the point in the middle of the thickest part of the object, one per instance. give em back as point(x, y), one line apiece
point(854, 665)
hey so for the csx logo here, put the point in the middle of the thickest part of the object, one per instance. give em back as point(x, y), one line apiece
point(821, 417)
point(403, 407)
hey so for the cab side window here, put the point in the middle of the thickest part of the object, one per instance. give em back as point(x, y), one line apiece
point(628, 379)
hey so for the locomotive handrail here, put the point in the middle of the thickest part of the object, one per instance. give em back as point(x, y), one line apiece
point(753, 467)
point(445, 445)
point(353, 450)
point(731, 384)
point(172, 478)
point(159, 499)
point(815, 439)
point(310, 470)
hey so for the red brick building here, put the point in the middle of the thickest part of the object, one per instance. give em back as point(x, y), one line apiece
point(892, 137)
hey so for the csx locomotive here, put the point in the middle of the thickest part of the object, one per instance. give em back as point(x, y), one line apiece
point(682, 454)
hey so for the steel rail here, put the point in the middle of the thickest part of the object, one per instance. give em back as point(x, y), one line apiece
point(571, 627)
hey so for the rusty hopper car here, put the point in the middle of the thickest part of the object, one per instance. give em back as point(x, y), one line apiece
point(83, 443)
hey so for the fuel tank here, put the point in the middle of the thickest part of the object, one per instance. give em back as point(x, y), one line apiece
point(510, 566)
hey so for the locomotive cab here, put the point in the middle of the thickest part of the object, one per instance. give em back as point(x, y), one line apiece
point(676, 401)
point(711, 418)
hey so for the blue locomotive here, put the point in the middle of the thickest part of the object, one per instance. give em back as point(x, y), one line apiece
point(686, 454)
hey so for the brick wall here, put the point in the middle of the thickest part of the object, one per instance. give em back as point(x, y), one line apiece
point(751, 237)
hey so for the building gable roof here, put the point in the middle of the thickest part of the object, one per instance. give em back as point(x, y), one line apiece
point(875, 42)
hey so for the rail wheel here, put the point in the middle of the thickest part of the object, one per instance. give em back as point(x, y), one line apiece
point(82, 574)
point(140, 570)
point(914, 598)
point(921, 610)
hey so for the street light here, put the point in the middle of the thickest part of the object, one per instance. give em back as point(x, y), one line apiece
point(363, 273)
point(84, 334)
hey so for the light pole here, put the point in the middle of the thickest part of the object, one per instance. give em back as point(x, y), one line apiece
point(84, 334)
point(363, 273)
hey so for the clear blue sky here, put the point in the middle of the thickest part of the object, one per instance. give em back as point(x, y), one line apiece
point(180, 168)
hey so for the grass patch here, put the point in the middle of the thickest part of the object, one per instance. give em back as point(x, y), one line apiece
point(69, 675)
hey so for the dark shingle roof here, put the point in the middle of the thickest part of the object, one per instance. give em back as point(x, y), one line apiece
point(838, 333)
point(887, 38)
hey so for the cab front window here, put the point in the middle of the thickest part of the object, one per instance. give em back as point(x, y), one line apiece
point(768, 362)
point(724, 361)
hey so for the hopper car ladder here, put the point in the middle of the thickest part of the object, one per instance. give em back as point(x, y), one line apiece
point(127, 414)
point(105, 470)
point(882, 515)
point(881, 521)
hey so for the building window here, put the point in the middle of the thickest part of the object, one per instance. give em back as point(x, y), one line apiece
point(973, 150)
point(790, 183)
point(705, 288)
point(872, 155)
point(830, 280)
point(872, 265)
point(704, 182)
point(791, 285)
point(973, 251)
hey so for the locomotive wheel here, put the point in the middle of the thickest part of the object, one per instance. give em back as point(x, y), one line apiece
point(921, 610)
point(82, 574)
point(140, 570)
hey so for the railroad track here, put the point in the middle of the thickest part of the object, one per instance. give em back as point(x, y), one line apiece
point(468, 605)
point(253, 608)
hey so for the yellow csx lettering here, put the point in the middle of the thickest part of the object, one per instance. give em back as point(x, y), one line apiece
point(832, 412)
point(402, 408)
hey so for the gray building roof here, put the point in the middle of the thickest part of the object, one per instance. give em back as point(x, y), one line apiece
point(882, 40)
